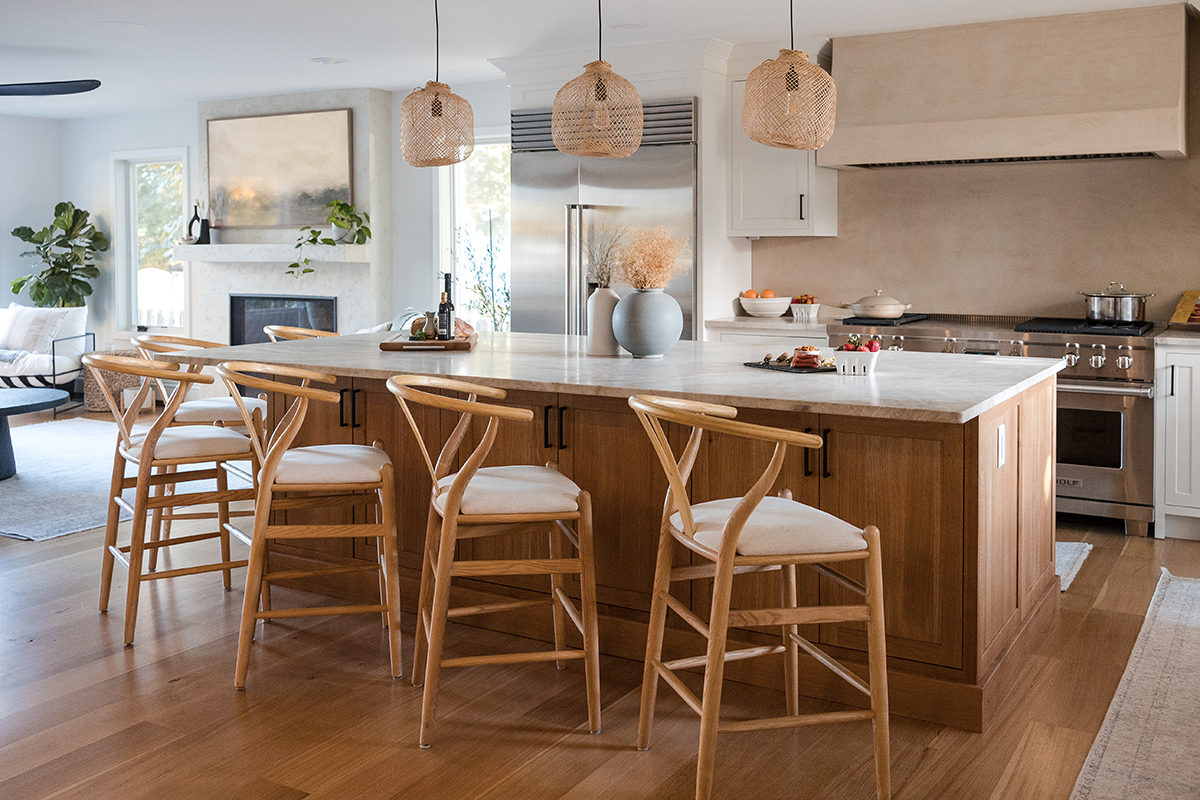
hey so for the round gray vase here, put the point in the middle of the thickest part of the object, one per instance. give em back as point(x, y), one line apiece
point(647, 322)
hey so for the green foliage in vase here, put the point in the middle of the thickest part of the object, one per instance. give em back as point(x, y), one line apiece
point(68, 247)
point(347, 226)
point(487, 289)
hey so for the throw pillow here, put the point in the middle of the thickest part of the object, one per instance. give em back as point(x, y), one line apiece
point(74, 324)
point(31, 329)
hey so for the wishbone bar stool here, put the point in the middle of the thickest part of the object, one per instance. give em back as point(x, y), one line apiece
point(480, 501)
point(277, 332)
point(320, 476)
point(158, 453)
point(754, 533)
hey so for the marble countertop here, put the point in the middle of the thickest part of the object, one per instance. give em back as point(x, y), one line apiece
point(933, 387)
point(1177, 337)
point(781, 324)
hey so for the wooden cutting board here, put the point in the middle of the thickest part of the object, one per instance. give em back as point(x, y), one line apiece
point(402, 342)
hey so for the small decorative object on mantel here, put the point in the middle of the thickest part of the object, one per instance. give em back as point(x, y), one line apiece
point(437, 127)
point(347, 225)
point(598, 114)
point(790, 102)
point(602, 248)
point(647, 322)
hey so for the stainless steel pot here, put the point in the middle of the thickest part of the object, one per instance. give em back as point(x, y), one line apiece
point(1116, 306)
point(877, 306)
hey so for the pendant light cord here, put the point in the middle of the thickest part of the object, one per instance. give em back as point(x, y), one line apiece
point(599, 30)
point(437, 45)
point(792, 23)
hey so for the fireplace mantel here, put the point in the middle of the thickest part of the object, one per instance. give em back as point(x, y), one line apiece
point(274, 253)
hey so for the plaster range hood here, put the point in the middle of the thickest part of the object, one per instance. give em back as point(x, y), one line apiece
point(1094, 85)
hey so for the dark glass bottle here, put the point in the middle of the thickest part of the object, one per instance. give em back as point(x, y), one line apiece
point(446, 313)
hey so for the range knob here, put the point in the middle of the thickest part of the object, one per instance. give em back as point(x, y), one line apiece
point(1016, 348)
point(1097, 359)
point(897, 343)
point(949, 347)
point(1124, 360)
point(1071, 357)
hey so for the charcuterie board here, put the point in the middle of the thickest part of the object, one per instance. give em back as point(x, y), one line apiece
point(402, 342)
point(787, 368)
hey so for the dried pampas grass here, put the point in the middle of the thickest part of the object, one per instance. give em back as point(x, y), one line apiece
point(651, 259)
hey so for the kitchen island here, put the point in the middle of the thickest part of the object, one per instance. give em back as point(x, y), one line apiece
point(951, 456)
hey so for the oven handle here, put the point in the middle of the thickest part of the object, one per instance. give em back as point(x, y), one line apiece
point(1090, 387)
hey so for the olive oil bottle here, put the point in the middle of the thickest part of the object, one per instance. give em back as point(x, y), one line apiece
point(446, 313)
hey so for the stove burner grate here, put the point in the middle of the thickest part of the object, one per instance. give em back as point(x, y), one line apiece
point(903, 319)
point(1083, 327)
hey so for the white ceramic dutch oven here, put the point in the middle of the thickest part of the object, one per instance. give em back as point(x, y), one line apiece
point(877, 306)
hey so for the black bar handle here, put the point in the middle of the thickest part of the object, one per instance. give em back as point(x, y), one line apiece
point(354, 423)
point(807, 471)
point(546, 427)
point(562, 440)
point(801, 206)
point(825, 473)
point(1172, 380)
point(342, 408)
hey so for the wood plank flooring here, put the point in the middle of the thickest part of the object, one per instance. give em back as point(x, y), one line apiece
point(81, 716)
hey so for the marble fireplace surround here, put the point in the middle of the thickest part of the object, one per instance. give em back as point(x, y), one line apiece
point(252, 260)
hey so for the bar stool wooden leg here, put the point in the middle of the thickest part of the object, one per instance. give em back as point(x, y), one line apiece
point(655, 633)
point(791, 651)
point(714, 677)
point(425, 597)
point(437, 627)
point(222, 522)
point(877, 662)
point(389, 546)
point(591, 623)
point(110, 529)
point(137, 546)
point(558, 583)
point(156, 520)
point(254, 571)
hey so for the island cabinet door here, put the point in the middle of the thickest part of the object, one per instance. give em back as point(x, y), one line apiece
point(906, 478)
point(727, 467)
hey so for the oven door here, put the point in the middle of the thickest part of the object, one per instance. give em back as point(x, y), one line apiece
point(1106, 449)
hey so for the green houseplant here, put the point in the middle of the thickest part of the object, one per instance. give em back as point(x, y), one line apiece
point(347, 225)
point(68, 247)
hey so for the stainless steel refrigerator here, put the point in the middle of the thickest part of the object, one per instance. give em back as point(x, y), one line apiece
point(558, 201)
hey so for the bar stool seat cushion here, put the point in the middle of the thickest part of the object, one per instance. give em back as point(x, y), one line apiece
point(192, 441)
point(213, 409)
point(514, 490)
point(331, 463)
point(776, 527)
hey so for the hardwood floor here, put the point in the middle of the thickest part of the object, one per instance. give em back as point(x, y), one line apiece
point(81, 716)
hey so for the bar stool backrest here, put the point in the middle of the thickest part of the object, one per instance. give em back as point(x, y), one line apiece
point(148, 344)
point(277, 332)
point(653, 410)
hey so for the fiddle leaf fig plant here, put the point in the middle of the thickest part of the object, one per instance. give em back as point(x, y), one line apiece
point(68, 247)
point(347, 225)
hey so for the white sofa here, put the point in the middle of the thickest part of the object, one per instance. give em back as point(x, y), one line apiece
point(42, 347)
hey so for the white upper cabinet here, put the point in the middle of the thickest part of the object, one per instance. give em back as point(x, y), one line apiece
point(773, 191)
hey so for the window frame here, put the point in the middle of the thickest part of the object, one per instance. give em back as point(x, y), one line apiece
point(124, 281)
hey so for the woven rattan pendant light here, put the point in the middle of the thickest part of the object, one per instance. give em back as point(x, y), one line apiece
point(437, 127)
point(790, 102)
point(598, 114)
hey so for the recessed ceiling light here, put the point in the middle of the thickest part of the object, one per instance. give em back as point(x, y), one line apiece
point(125, 27)
point(326, 60)
point(628, 26)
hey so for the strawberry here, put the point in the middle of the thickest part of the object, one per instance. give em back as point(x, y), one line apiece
point(873, 346)
point(862, 348)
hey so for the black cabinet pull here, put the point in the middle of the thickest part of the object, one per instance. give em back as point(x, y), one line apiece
point(1172, 380)
point(801, 206)
point(807, 471)
point(342, 408)
point(562, 440)
point(354, 423)
point(546, 427)
point(825, 473)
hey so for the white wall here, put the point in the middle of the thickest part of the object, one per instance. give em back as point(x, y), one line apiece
point(30, 187)
point(87, 180)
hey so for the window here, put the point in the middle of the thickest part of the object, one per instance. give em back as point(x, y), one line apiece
point(480, 203)
point(150, 220)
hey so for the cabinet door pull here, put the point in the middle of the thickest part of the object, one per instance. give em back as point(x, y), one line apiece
point(825, 473)
point(801, 206)
point(807, 471)
point(546, 427)
point(1172, 380)
point(342, 408)
point(354, 423)
point(562, 440)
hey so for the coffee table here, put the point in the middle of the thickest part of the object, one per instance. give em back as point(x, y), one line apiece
point(21, 401)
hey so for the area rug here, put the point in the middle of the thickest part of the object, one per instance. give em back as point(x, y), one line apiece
point(64, 470)
point(1149, 745)
point(1068, 558)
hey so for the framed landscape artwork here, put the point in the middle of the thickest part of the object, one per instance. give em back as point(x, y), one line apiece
point(278, 171)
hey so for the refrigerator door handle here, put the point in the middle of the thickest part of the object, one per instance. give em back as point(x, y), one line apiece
point(575, 292)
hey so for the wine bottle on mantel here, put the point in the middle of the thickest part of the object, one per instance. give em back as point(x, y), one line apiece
point(446, 313)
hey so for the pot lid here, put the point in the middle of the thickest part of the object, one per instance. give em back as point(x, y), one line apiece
point(1120, 291)
point(877, 299)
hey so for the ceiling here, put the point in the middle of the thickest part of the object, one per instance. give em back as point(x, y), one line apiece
point(155, 54)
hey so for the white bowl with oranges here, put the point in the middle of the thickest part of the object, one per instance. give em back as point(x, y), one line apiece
point(765, 304)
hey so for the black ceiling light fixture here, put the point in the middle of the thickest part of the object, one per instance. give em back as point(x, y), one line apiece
point(45, 88)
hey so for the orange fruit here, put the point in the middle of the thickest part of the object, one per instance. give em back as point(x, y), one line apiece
point(750, 293)
point(767, 293)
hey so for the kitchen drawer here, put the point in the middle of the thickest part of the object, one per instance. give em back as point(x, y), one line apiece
point(778, 341)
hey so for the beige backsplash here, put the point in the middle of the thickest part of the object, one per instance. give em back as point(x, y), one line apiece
point(1002, 238)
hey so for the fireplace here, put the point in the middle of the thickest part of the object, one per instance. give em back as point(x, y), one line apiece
point(248, 313)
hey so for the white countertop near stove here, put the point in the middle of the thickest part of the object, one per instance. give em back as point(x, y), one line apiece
point(932, 387)
point(1178, 338)
point(772, 324)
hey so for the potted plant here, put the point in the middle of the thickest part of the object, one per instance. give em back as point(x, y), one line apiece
point(647, 322)
point(68, 247)
point(346, 226)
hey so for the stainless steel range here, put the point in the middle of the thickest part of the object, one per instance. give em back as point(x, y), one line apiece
point(1105, 397)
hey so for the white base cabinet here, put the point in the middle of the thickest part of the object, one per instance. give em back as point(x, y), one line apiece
point(1177, 437)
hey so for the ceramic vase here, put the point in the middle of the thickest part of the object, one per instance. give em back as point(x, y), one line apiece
point(647, 322)
point(600, 338)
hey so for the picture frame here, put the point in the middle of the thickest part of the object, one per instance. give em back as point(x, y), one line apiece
point(279, 170)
